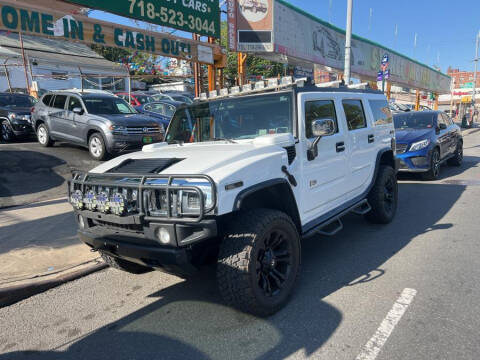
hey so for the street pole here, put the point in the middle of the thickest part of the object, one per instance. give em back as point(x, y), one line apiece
point(348, 42)
point(475, 75)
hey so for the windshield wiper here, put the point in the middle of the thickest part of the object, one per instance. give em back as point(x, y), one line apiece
point(224, 139)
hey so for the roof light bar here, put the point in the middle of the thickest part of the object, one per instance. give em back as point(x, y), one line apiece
point(224, 92)
point(272, 83)
point(235, 90)
point(286, 80)
point(259, 85)
point(203, 96)
point(246, 88)
point(213, 94)
point(363, 85)
point(334, 84)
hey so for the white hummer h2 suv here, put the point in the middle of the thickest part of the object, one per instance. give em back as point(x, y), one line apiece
point(241, 178)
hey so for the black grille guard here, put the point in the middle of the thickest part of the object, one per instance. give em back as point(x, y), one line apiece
point(82, 178)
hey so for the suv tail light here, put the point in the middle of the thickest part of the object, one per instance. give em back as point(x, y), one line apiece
point(32, 109)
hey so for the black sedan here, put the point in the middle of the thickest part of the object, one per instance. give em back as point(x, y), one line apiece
point(15, 116)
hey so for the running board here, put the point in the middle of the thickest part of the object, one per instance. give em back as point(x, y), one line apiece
point(334, 224)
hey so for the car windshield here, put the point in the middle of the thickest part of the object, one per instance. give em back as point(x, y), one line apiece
point(143, 99)
point(233, 118)
point(182, 98)
point(413, 120)
point(108, 106)
point(162, 109)
point(19, 101)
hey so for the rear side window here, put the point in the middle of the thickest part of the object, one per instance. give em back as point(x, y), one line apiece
point(59, 102)
point(381, 112)
point(354, 114)
point(318, 110)
point(46, 99)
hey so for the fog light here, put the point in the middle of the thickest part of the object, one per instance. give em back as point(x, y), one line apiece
point(81, 222)
point(163, 235)
point(90, 200)
point(76, 199)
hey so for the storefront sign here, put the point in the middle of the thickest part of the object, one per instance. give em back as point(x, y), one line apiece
point(195, 16)
point(38, 21)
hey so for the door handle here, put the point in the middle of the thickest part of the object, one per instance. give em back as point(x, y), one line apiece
point(371, 138)
point(340, 146)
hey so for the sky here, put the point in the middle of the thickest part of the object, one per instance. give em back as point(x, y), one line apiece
point(445, 29)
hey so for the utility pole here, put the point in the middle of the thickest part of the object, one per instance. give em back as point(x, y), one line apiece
point(348, 43)
point(475, 74)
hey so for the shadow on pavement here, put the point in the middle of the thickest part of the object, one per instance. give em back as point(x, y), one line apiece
point(27, 172)
point(189, 321)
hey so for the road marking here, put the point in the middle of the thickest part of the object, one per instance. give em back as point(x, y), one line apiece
point(376, 342)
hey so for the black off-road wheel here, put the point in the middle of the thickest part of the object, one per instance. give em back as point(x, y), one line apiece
point(435, 165)
point(6, 132)
point(383, 198)
point(457, 159)
point(259, 261)
point(124, 265)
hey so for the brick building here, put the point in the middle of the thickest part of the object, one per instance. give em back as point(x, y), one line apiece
point(462, 79)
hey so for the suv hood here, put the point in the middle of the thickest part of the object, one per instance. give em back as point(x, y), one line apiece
point(130, 120)
point(220, 160)
point(19, 110)
point(408, 136)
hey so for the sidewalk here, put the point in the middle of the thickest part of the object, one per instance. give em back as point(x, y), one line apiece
point(39, 249)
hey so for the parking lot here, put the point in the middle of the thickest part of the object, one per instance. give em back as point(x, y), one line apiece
point(403, 291)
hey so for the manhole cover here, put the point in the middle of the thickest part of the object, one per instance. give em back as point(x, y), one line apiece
point(462, 182)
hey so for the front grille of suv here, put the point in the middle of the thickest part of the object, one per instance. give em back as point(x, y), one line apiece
point(136, 130)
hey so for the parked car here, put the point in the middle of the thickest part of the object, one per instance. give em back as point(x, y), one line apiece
point(104, 124)
point(161, 110)
point(25, 91)
point(15, 115)
point(137, 99)
point(425, 140)
point(181, 98)
point(243, 179)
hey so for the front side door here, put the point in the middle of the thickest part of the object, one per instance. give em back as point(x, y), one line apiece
point(362, 150)
point(452, 134)
point(77, 123)
point(323, 178)
point(443, 136)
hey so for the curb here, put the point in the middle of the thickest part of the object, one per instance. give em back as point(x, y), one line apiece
point(13, 294)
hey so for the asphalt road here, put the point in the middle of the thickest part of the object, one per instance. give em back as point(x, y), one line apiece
point(408, 290)
point(30, 172)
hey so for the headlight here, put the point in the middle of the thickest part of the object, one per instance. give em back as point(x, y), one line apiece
point(76, 199)
point(90, 200)
point(12, 116)
point(118, 204)
point(190, 203)
point(103, 202)
point(118, 129)
point(419, 145)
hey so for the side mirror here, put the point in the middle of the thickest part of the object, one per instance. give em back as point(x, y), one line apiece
point(442, 126)
point(78, 110)
point(320, 128)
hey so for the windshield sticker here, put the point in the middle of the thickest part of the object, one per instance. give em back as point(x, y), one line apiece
point(123, 108)
point(262, 132)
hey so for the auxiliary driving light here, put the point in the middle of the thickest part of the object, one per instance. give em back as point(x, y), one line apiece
point(103, 202)
point(81, 222)
point(76, 199)
point(118, 204)
point(90, 200)
point(163, 235)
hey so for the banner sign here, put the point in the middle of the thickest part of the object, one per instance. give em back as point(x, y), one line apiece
point(278, 31)
point(39, 21)
point(194, 16)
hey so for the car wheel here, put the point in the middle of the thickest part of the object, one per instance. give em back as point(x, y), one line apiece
point(6, 132)
point(383, 198)
point(43, 135)
point(124, 265)
point(259, 261)
point(96, 146)
point(457, 159)
point(434, 172)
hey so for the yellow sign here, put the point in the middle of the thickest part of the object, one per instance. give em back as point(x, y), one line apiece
point(21, 16)
point(466, 99)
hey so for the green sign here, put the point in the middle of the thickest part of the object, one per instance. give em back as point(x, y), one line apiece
point(194, 16)
point(467, 85)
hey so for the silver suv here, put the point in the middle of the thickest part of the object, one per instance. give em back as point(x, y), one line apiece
point(103, 123)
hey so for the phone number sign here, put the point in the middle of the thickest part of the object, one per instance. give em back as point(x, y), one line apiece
point(195, 16)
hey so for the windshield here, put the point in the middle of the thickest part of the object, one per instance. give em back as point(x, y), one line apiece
point(235, 119)
point(143, 99)
point(182, 98)
point(162, 109)
point(17, 101)
point(108, 106)
point(413, 120)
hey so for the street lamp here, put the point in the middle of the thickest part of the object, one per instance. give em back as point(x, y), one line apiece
point(348, 43)
point(475, 75)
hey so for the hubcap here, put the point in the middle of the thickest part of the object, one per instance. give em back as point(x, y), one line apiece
point(96, 147)
point(42, 135)
point(436, 164)
point(5, 132)
point(389, 197)
point(274, 263)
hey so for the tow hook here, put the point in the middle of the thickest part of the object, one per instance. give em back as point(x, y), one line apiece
point(290, 177)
